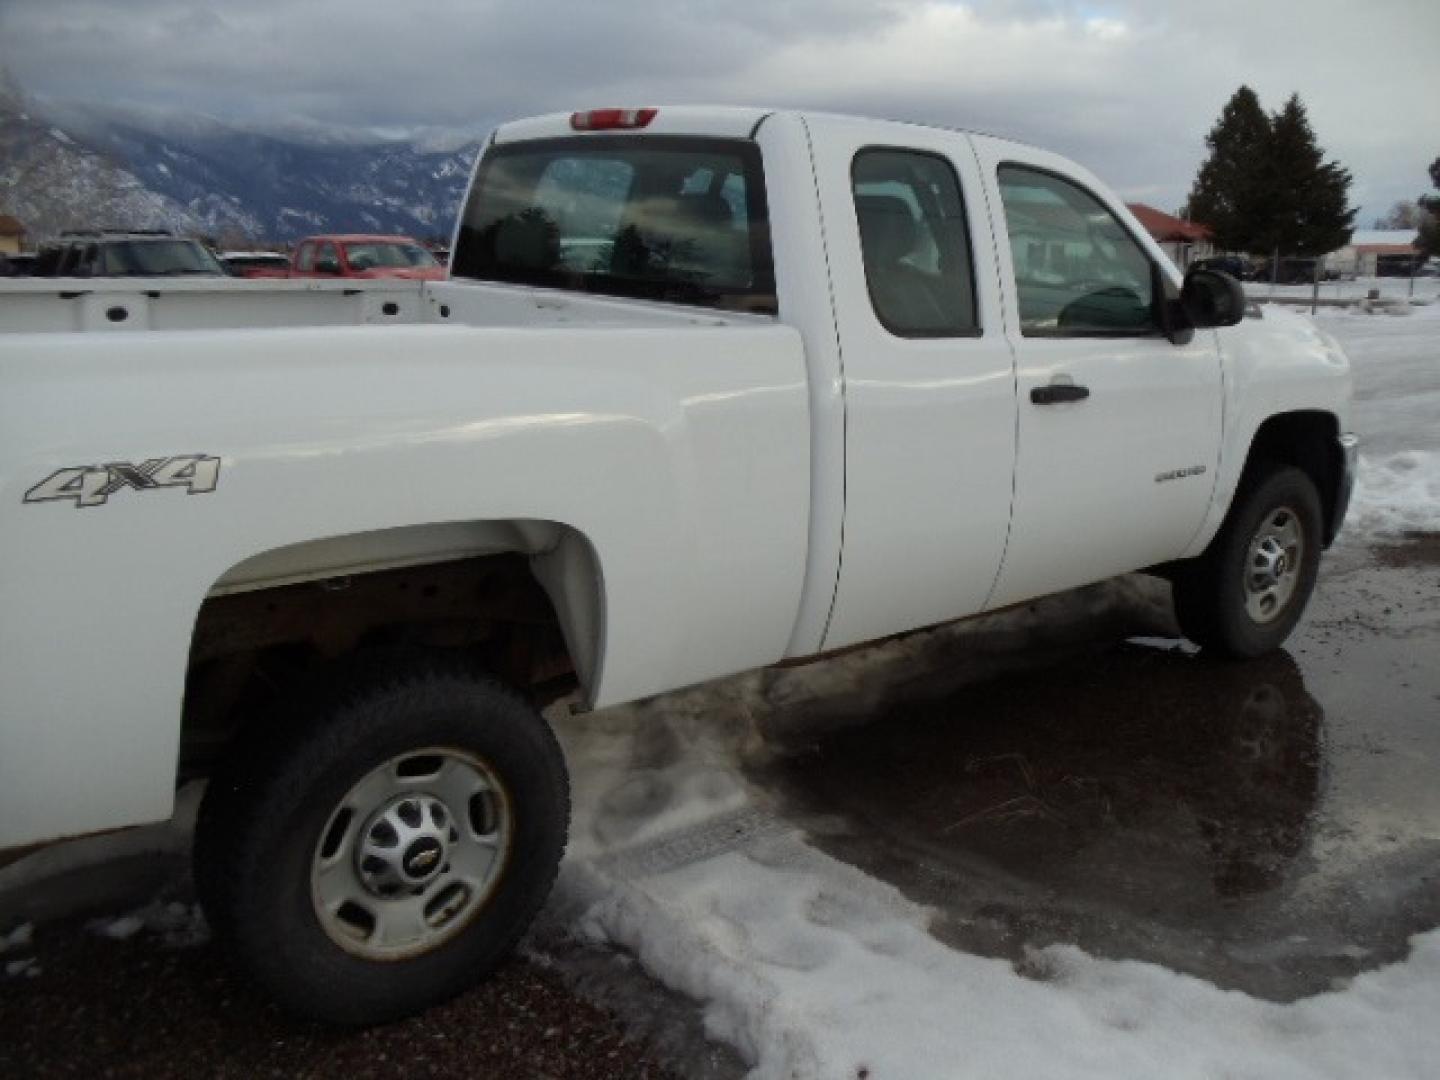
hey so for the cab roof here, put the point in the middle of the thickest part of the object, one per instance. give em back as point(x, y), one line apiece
point(724, 121)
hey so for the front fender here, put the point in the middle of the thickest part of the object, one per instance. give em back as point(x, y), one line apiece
point(1277, 364)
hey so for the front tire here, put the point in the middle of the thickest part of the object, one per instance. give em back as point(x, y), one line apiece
point(387, 846)
point(1243, 597)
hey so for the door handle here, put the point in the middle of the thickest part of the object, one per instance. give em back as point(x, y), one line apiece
point(1057, 392)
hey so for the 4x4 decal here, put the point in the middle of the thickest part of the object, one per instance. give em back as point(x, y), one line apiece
point(92, 485)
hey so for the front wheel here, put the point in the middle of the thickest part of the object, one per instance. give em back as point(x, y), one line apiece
point(1243, 597)
point(389, 846)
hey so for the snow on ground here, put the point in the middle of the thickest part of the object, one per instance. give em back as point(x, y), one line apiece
point(177, 925)
point(1396, 360)
point(1424, 288)
point(1396, 494)
point(811, 968)
point(13, 964)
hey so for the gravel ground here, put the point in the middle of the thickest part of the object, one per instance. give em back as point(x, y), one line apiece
point(105, 1008)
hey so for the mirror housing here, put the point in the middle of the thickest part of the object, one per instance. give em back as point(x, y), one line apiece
point(1212, 298)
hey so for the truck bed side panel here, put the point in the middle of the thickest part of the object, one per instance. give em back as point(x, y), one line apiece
point(680, 454)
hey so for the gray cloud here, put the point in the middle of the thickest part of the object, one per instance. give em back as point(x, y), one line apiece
point(1128, 87)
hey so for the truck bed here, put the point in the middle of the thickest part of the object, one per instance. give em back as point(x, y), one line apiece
point(61, 305)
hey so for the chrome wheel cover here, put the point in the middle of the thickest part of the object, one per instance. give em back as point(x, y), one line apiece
point(1272, 565)
point(411, 854)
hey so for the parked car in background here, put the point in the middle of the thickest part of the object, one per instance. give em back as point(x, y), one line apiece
point(256, 264)
point(1407, 265)
point(1237, 266)
point(363, 256)
point(1292, 271)
point(16, 263)
point(102, 253)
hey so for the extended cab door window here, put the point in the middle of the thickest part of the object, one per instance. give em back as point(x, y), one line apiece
point(914, 242)
point(1077, 271)
point(305, 259)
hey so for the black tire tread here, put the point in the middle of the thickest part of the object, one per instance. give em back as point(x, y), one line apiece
point(273, 771)
point(1208, 613)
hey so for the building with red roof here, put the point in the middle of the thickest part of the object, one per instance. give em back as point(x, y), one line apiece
point(1184, 241)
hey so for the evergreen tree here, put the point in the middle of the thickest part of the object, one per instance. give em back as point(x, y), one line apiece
point(1310, 212)
point(1266, 185)
point(1429, 239)
point(1231, 193)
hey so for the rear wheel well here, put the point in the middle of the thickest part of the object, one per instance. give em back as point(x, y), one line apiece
point(1310, 442)
point(250, 649)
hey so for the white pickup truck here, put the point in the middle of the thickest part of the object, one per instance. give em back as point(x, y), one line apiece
point(707, 389)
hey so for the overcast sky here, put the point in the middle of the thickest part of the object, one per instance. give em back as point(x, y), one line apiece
point(1128, 87)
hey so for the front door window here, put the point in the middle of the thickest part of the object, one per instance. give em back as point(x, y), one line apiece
point(1078, 273)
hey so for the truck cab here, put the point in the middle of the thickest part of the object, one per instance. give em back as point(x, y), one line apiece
point(1000, 353)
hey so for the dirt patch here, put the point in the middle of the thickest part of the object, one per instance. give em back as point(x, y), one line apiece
point(1420, 550)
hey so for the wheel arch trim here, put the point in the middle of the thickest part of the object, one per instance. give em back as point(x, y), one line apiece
point(1311, 439)
point(562, 559)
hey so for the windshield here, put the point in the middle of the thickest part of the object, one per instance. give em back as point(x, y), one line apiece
point(157, 257)
point(375, 254)
point(658, 217)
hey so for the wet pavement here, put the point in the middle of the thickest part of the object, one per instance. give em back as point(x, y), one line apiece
point(1270, 826)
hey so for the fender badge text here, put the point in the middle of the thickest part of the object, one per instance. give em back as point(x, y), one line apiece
point(92, 485)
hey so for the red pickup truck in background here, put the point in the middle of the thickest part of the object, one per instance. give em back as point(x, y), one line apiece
point(364, 256)
point(256, 264)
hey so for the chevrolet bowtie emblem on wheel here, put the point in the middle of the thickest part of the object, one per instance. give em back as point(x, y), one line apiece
point(92, 485)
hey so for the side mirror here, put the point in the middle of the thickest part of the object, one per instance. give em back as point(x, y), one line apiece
point(327, 266)
point(1212, 298)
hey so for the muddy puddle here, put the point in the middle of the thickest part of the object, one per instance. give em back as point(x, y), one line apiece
point(1271, 826)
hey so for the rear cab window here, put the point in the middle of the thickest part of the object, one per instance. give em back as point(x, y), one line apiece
point(914, 243)
point(672, 218)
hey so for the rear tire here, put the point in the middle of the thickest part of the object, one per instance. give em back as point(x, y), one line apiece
point(386, 846)
point(1243, 597)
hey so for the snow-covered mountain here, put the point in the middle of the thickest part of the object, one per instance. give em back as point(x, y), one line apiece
point(71, 165)
point(52, 182)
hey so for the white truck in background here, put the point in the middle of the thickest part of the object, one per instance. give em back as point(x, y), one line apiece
point(707, 389)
